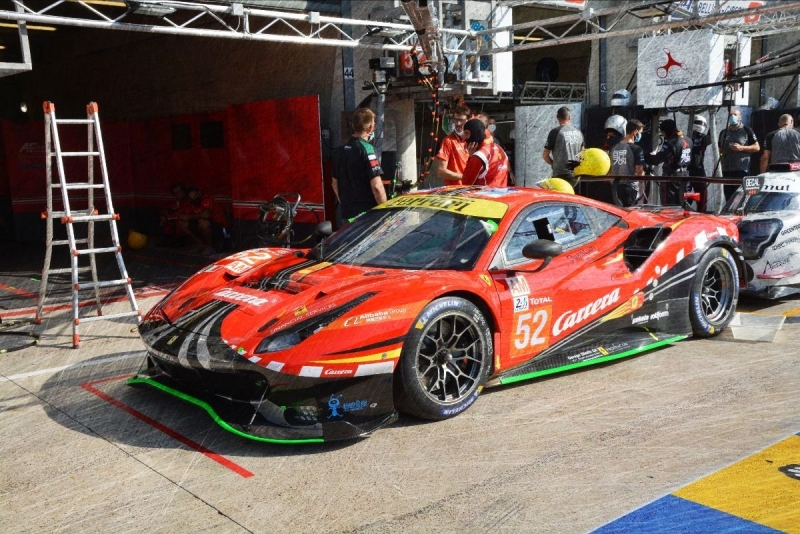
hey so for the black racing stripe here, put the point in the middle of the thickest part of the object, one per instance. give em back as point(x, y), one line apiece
point(378, 345)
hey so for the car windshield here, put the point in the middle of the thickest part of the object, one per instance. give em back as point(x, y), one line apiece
point(410, 238)
point(762, 202)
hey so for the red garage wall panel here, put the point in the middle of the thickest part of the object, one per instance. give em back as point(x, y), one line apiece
point(275, 147)
point(262, 149)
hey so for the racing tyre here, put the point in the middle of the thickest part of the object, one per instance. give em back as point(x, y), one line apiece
point(715, 290)
point(445, 361)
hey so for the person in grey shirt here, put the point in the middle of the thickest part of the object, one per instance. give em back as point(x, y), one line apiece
point(564, 143)
point(736, 143)
point(782, 145)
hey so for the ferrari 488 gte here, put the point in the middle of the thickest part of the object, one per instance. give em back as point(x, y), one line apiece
point(420, 303)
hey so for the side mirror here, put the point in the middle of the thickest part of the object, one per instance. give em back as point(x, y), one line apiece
point(324, 229)
point(542, 249)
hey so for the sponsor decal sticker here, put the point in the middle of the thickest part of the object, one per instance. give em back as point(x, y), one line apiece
point(231, 295)
point(520, 304)
point(570, 319)
point(485, 209)
point(374, 317)
point(461, 407)
point(338, 408)
point(791, 471)
point(430, 312)
point(518, 286)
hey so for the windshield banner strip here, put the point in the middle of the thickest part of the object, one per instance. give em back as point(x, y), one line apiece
point(475, 207)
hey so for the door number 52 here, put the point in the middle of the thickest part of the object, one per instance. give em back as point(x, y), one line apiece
point(531, 330)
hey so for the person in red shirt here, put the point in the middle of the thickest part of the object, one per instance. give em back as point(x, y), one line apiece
point(203, 222)
point(488, 164)
point(452, 156)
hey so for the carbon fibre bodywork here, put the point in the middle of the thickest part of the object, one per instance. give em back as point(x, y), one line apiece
point(298, 346)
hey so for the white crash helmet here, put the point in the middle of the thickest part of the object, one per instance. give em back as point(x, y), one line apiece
point(621, 97)
point(616, 123)
point(700, 124)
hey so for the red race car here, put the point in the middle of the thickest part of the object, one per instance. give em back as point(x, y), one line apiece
point(420, 303)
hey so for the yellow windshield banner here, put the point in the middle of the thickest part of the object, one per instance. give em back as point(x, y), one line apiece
point(474, 207)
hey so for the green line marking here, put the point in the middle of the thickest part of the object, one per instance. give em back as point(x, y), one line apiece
point(207, 407)
point(520, 378)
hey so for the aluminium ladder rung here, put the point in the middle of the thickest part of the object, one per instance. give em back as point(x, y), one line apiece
point(69, 270)
point(88, 218)
point(66, 241)
point(80, 185)
point(106, 283)
point(62, 214)
point(78, 252)
point(74, 121)
point(107, 317)
point(68, 154)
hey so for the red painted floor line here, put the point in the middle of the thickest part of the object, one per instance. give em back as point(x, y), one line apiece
point(236, 468)
point(68, 306)
point(22, 292)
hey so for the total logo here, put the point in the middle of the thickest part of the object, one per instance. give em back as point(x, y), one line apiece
point(570, 318)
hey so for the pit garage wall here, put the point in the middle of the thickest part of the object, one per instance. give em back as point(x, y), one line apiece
point(259, 158)
point(533, 123)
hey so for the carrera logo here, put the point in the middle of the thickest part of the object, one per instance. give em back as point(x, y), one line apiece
point(570, 318)
point(235, 296)
point(335, 372)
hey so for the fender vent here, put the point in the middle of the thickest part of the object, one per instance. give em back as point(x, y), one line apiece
point(641, 244)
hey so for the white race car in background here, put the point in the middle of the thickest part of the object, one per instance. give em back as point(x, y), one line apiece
point(769, 207)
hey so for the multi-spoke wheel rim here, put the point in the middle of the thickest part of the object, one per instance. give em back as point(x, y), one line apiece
point(716, 294)
point(450, 358)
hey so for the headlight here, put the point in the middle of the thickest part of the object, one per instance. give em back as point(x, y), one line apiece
point(756, 236)
point(288, 338)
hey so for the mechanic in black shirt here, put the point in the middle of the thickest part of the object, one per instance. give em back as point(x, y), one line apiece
point(627, 159)
point(357, 174)
point(675, 154)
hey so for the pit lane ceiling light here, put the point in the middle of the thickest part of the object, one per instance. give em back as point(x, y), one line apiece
point(28, 26)
point(148, 10)
point(23, 107)
point(520, 38)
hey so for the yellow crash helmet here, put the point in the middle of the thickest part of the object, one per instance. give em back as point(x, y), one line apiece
point(594, 162)
point(136, 240)
point(557, 184)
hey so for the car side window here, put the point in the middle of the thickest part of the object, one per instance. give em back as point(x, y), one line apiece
point(569, 225)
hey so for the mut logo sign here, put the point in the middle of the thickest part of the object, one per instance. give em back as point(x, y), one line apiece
point(663, 70)
point(570, 318)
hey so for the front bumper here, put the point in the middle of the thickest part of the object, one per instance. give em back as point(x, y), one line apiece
point(257, 402)
point(301, 411)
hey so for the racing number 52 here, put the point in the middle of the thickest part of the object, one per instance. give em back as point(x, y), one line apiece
point(531, 332)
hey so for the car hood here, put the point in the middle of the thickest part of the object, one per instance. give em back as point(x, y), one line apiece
point(285, 291)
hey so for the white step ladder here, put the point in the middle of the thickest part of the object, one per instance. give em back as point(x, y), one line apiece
point(90, 215)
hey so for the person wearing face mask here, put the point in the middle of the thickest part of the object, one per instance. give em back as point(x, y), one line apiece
point(564, 144)
point(700, 140)
point(488, 162)
point(357, 179)
point(627, 159)
point(452, 156)
point(736, 143)
point(203, 222)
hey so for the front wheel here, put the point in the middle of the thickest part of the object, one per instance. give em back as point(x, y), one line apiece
point(715, 291)
point(445, 361)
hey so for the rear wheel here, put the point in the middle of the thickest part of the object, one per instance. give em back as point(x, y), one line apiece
point(715, 291)
point(445, 360)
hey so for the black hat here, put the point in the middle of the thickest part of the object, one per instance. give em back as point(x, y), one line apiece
point(668, 126)
point(476, 129)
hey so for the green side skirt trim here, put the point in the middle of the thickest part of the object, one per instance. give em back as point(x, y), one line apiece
point(528, 376)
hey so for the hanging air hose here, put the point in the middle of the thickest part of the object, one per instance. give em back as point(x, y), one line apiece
point(14, 341)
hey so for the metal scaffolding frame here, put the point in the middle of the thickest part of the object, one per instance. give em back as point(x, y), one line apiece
point(237, 21)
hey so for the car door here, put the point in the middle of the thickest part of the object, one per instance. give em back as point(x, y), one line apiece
point(541, 307)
